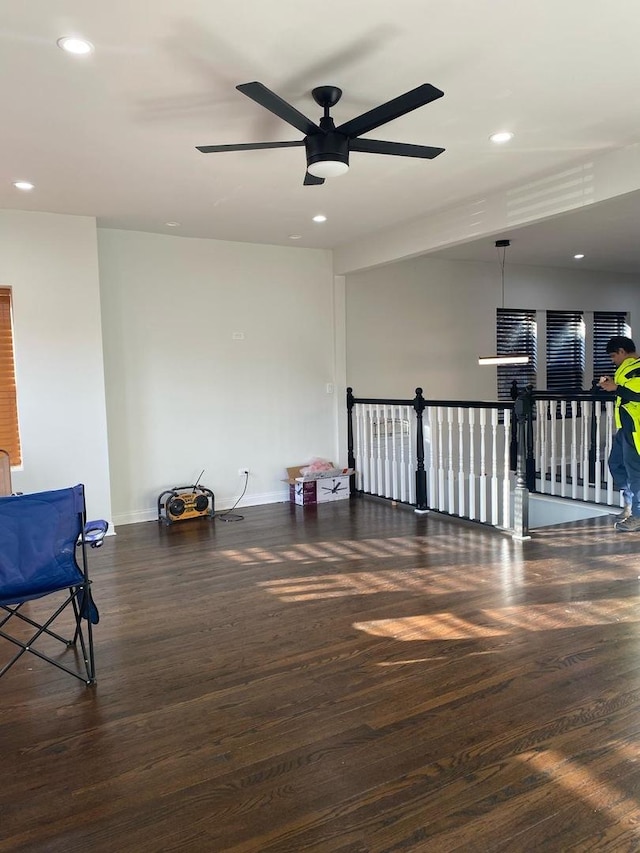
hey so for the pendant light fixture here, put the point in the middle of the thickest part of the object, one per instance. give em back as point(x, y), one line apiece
point(512, 357)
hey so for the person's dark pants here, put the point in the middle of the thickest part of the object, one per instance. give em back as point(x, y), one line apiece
point(624, 464)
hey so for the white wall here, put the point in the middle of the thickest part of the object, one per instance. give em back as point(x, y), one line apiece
point(50, 262)
point(182, 395)
point(424, 322)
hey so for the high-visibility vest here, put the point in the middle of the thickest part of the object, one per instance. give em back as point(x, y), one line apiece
point(628, 376)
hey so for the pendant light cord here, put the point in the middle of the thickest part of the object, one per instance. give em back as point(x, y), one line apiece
point(502, 263)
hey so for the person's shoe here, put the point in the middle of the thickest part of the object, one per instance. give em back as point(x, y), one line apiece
point(629, 525)
point(624, 514)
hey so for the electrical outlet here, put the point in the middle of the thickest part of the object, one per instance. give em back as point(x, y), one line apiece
point(242, 472)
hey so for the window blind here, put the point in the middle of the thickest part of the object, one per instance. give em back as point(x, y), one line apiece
point(9, 434)
point(565, 350)
point(606, 324)
point(516, 333)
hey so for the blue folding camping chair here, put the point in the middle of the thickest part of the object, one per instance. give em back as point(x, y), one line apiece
point(40, 535)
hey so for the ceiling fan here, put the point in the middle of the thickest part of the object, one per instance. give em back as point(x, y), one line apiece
point(328, 146)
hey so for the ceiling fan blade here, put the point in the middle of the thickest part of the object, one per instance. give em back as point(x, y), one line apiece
point(275, 104)
point(248, 146)
point(311, 180)
point(400, 149)
point(399, 106)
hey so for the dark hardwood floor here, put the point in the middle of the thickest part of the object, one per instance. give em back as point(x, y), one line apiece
point(347, 679)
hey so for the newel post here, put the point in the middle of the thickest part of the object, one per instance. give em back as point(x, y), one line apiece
point(513, 444)
point(420, 404)
point(530, 466)
point(351, 459)
point(523, 414)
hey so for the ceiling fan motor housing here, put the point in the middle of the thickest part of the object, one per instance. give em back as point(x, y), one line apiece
point(326, 146)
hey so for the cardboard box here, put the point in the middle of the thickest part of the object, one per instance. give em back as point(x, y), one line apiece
point(303, 493)
point(319, 486)
point(294, 473)
point(332, 489)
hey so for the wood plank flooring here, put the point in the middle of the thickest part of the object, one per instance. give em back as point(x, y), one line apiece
point(347, 679)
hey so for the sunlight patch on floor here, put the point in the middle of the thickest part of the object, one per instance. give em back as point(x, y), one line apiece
point(610, 800)
point(499, 622)
point(365, 549)
point(421, 581)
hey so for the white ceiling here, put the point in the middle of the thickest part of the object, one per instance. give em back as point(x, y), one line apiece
point(607, 234)
point(113, 135)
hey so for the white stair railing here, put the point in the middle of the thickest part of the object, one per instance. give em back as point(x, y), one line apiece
point(572, 442)
point(468, 451)
point(466, 456)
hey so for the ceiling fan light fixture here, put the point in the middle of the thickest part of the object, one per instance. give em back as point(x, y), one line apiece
point(328, 168)
point(327, 154)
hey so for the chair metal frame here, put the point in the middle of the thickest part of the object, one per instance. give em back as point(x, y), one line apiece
point(74, 583)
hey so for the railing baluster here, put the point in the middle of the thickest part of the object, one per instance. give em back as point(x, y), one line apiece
point(440, 502)
point(364, 455)
point(607, 451)
point(388, 426)
point(542, 417)
point(406, 452)
point(597, 478)
point(552, 454)
point(472, 463)
point(563, 448)
point(371, 460)
point(450, 472)
point(506, 471)
point(430, 431)
point(483, 471)
point(574, 445)
point(494, 466)
point(381, 426)
point(461, 471)
point(585, 452)
point(358, 447)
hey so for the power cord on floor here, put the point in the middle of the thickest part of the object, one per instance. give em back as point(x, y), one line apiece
point(227, 514)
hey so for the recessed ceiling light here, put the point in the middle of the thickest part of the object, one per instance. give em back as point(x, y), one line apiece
point(172, 224)
point(73, 44)
point(23, 185)
point(578, 257)
point(501, 137)
point(320, 218)
point(295, 236)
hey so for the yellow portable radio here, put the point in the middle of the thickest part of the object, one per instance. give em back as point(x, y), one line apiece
point(185, 502)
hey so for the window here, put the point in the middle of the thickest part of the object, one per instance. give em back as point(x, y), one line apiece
point(606, 324)
point(565, 350)
point(9, 435)
point(516, 332)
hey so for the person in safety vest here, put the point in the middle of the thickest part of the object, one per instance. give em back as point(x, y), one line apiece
point(624, 459)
